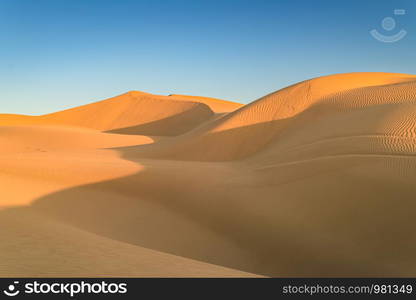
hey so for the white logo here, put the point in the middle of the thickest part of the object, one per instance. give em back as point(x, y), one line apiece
point(389, 24)
point(11, 291)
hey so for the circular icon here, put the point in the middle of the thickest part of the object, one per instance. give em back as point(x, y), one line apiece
point(11, 287)
point(388, 23)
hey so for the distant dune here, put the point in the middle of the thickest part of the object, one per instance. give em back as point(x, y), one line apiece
point(316, 179)
point(134, 113)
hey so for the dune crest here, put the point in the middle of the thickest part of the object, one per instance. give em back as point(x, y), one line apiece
point(217, 105)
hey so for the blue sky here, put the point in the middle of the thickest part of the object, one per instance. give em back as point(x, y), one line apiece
point(56, 54)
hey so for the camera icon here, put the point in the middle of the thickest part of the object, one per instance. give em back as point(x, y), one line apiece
point(388, 24)
point(12, 290)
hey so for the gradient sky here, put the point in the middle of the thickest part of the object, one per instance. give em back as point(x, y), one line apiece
point(56, 54)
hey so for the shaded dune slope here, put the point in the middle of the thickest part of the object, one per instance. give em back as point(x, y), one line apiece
point(38, 247)
point(39, 161)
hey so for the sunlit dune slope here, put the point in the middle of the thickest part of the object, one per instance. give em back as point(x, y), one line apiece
point(27, 138)
point(256, 126)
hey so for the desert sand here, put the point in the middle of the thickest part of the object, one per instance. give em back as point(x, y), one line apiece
point(316, 179)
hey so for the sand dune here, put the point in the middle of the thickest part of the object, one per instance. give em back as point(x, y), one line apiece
point(253, 127)
point(133, 113)
point(316, 179)
point(132, 109)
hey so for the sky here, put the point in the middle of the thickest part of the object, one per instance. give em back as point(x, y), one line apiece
point(56, 54)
